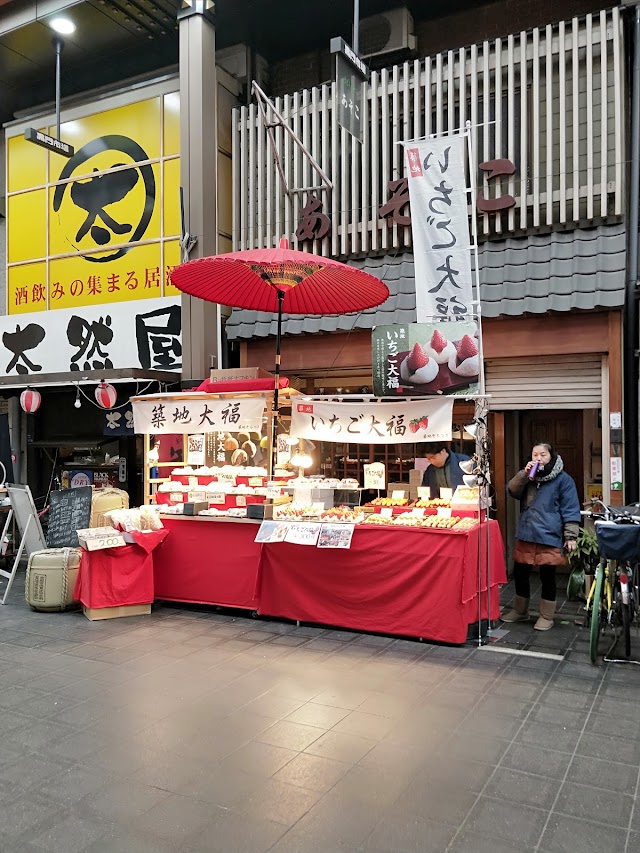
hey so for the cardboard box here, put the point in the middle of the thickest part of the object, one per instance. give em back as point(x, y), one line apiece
point(98, 538)
point(237, 374)
point(410, 491)
point(94, 614)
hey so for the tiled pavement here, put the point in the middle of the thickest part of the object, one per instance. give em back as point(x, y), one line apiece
point(204, 732)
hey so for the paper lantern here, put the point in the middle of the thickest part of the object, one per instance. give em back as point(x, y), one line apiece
point(30, 400)
point(106, 395)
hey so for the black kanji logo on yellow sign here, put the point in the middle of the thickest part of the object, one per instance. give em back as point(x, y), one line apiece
point(113, 208)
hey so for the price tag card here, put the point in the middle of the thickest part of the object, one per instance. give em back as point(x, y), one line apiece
point(216, 497)
point(241, 500)
point(303, 534)
point(255, 481)
point(424, 493)
point(302, 496)
point(274, 492)
point(398, 494)
point(374, 476)
point(444, 512)
point(336, 536)
point(446, 494)
point(176, 497)
point(193, 481)
point(200, 495)
point(419, 511)
point(272, 531)
point(387, 511)
point(226, 477)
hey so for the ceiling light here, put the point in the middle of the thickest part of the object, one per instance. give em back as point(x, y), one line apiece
point(64, 26)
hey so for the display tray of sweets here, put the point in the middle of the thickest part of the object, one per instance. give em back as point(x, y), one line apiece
point(171, 496)
point(396, 510)
point(296, 513)
point(233, 501)
point(431, 503)
point(388, 502)
point(342, 514)
point(466, 523)
point(466, 496)
point(379, 520)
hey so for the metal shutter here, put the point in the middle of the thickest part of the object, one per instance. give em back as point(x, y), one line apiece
point(550, 382)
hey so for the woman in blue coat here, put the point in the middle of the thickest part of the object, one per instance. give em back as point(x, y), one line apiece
point(547, 529)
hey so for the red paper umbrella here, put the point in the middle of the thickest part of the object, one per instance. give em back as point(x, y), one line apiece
point(280, 280)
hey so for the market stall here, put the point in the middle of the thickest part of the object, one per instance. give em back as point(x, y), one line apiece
point(243, 537)
point(208, 561)
point(411, 582)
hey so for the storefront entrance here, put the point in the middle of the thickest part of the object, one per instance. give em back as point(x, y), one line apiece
point(562, 429)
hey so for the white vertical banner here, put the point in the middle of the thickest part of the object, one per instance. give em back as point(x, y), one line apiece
point(440, 228)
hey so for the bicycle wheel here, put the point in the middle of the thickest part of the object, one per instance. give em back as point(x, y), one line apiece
point(594, 633)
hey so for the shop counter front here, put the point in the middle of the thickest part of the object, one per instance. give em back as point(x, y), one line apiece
point(417, 583)
point(207, 560)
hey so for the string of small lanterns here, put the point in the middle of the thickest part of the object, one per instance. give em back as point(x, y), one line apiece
point(105, 396)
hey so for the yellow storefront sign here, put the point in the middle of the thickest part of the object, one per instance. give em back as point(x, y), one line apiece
point(104, 225)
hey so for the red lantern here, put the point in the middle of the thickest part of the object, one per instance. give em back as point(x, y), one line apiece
point(106, 395)
point(30, 400)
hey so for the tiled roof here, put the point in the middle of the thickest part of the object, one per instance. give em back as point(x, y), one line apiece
point(560, 271)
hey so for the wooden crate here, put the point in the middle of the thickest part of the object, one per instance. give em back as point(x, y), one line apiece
point(96, 613)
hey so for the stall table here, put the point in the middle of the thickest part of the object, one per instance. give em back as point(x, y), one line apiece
point(117, 578)
point(208, 560)
point(417, 583)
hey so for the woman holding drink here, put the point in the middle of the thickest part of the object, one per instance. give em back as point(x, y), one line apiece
point(547, 529)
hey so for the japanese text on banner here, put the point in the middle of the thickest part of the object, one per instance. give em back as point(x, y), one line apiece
point(440, 228)
point(373, 423)
point(169, 416)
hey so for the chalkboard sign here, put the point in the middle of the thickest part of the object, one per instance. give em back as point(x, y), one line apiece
point(70, 511)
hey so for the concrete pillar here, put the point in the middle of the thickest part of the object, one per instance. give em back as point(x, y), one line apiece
point(198, 178)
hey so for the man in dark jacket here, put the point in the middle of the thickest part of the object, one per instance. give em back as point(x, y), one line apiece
point(444, 469)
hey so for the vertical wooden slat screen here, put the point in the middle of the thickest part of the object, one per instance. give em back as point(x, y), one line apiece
point(551, 100)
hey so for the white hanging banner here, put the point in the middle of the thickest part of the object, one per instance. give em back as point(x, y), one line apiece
point(404, 422)
point(440, 228)
point(168, 415)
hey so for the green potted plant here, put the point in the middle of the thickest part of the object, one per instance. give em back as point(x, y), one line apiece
point(583, 562)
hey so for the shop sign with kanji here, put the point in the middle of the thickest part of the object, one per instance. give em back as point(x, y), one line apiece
point(146, 335)
point(103, 225)
point(372, 422)
point(159, 414)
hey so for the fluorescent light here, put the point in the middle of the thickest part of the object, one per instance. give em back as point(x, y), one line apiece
point(64, 26)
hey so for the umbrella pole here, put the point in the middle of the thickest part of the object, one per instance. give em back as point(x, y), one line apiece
point(276, 391)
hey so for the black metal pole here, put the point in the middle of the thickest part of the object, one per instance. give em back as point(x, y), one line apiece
point(58, 44)
point(631, 306)
point(276, 391)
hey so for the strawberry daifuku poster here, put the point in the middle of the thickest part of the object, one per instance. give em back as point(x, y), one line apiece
point(426, 358)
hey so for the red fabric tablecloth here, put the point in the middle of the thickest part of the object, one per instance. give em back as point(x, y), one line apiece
point(116, 577)
point(207, 561)
point(419, 583)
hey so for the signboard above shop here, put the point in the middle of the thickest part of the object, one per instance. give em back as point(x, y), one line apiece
point(351, 76)
point(145, 335)
point(49, 142)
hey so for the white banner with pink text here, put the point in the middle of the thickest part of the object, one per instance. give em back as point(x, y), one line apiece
point(371, 422)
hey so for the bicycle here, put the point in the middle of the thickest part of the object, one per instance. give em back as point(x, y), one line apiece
point(614, 595)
